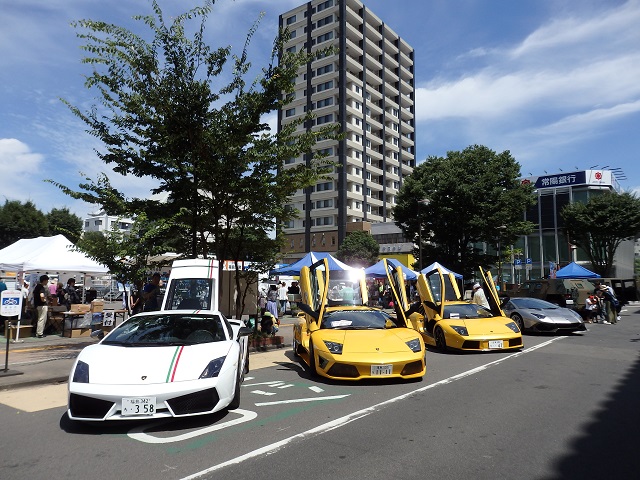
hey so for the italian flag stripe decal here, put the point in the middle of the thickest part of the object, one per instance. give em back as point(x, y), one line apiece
point(210, 268)
point(174, 364)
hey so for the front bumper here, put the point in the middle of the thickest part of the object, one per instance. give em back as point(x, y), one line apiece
point(358, 366)
point(100, 402)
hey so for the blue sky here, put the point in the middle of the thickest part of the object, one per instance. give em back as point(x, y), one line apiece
point(553, 81)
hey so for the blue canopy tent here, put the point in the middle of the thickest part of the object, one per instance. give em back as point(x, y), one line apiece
point(436, 265)
point(377, 270)
point(308, 260)
point(573, 270)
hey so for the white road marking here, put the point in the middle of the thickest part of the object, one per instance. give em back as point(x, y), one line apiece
point(288, 385)
point(342, 421)
point(301, 400)
point(138, 432)
point(248, 378)
point(316, 389)
point(260, 392)
point(263, 383)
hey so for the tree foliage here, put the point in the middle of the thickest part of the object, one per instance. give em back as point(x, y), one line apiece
point(359, 249)
point(458, 201)
point(166, 115)
point(600, 225)
point(62, 221)
point(18, 221)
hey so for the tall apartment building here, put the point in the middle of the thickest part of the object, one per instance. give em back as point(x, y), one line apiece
point(368, 88)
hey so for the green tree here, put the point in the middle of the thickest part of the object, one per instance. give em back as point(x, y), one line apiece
point(211, 153)
point(62, 221)
point(359, 249)
point(18, 221)
point(462, 200)
point(600, 225)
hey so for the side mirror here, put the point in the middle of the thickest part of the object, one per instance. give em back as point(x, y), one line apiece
point(99, 334)
point(245, 331)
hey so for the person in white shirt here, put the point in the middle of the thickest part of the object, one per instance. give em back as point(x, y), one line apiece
point(282, 296)
point(479, 297)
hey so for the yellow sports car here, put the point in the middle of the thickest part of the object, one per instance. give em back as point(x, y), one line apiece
point(446, 321)
point(339, 337)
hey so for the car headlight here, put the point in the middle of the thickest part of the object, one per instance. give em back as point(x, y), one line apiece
point(333, 347)
point(513, 327)
point(414, 345)
point(81, 373)
point(539, 315)
point(213, 369)
point(460, 330)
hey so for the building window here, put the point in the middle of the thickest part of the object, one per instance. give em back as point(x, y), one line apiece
point(325, 102)
point(289, 161)
point(325, 69)
point(324, 5)
point(324, 119)
point(324, 86)
point(291, 49)
point(326, 151)
point(293, 34)
point(321, 187)
point(323, 38)
point(290, 112)
point(325, 21)
point(98, 222)
point(86, 223)
point(291, 19)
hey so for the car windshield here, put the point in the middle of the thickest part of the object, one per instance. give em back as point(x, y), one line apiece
point(358, 320)
point(168, 329)
point(466, 311)
point(535, 303)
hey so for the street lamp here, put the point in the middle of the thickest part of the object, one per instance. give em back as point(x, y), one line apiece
point(501, 229)
point(424, 201)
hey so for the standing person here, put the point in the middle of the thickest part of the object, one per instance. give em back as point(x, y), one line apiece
point(60, 293)
point(591, 308)
point(283, 298)
point(272, 301)
point(3, 286)
point(71, 295)
point(135, 298)
point(53, 289)
point(40, 302)
point(610, 306)
point(479, 298)
point(150, 294)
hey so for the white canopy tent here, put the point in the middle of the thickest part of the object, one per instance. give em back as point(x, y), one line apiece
point(49, 255)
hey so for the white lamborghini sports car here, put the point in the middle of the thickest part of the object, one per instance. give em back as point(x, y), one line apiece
point(161, 364)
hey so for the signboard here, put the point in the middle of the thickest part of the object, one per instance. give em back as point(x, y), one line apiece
point(517, 264)
point(11, 305)
point(528, 264)
point(108, 319)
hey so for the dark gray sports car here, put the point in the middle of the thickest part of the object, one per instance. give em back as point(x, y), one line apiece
point(538, 315)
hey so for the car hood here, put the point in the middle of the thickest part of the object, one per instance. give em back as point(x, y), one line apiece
point(116, 365)
point(392, 340)
point(484, 326)
point(557, 315)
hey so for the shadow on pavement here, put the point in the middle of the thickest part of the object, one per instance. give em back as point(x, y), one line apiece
point(608, 447)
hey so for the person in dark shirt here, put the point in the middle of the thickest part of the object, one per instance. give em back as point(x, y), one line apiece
point(40, 302)
point(71, 295)
point(150, 294)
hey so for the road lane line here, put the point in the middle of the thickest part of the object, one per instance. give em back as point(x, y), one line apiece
point(346, 419)
point(138, 432)
point(301, 400)
point(262, 392)
point(316, 389)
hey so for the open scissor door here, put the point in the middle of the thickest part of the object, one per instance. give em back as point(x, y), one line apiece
point(314, 286)
point(398, 291)
point(491, 293)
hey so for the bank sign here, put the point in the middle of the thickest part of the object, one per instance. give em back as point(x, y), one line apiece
point(584, 177)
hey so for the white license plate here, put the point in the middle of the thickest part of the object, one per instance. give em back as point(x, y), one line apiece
point(496, 344)
point(569, 302)
point(138, 406)
point(381, 370)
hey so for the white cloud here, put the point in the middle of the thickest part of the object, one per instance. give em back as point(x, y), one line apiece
point(20, 168)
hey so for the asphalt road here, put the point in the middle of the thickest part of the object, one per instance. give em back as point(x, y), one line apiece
point(565, 408)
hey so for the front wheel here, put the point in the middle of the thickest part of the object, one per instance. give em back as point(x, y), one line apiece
point(441, 342)
point(516, 317)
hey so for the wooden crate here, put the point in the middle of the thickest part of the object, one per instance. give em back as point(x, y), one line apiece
point(25, 331)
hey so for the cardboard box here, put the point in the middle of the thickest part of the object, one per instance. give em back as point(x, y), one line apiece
point(77, 332)
point(80, 308)
point(97, 305)
point(25, 331)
